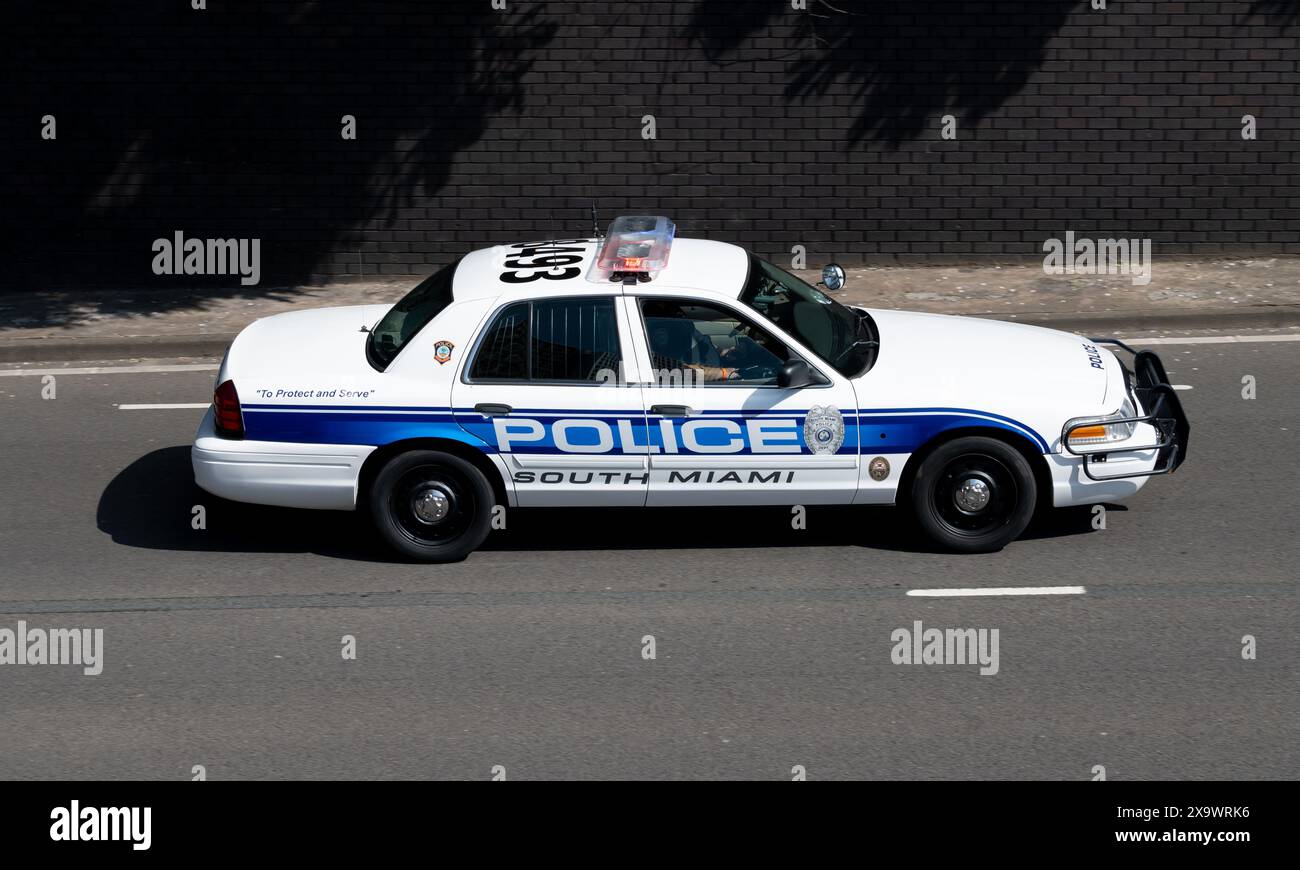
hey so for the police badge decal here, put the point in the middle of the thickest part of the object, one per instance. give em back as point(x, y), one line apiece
point(823, 429)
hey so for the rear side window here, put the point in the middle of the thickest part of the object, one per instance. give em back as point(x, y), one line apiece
point(405, 319)
point(552, 340)
point(573, 339)
point(503, 354)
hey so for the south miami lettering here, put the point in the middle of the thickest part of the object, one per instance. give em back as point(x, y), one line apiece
point(626, 478)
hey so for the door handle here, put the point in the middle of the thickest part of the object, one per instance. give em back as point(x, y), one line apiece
point(492, 409)
point(670, 410)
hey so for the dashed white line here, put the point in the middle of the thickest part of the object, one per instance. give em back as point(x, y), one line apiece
point(996, 590)
point(184, 405)
point(110, 370)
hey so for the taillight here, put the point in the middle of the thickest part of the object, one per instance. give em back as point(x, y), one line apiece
point(226, 412)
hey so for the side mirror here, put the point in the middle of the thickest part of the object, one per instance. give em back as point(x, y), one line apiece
point(833, 276)
point(796, 374)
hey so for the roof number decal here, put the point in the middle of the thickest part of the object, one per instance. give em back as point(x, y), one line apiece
point(553, 261)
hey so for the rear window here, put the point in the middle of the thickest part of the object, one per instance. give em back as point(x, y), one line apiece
point(405, 319)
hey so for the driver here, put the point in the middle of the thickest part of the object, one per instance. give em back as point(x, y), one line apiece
point(677, 345)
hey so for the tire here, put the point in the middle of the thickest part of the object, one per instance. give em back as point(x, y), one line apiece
point(431, 506)
point(956, 477)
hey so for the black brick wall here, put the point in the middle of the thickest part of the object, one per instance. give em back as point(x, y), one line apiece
point(775, 127)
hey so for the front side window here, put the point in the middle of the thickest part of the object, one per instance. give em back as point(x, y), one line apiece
point(699, 342)
point(550, 340)
point(844, 339)
point(405, 319)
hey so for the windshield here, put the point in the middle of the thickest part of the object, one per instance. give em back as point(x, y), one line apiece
point(839, 335)
point(409, 316)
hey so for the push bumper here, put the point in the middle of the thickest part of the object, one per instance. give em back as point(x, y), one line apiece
point(322, 476)
point(1149, 385)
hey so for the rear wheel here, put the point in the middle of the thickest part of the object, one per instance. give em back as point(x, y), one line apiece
point(431, 506)
point(974, 495)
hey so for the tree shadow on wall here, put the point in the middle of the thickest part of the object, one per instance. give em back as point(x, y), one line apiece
point(226, 123)
point(903, 61)
point(1282, 13)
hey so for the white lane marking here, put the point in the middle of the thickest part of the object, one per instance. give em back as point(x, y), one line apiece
point(188, 406)
point(996, 590)
point(1182, 386)
point(110, 370)
point(1214, 339)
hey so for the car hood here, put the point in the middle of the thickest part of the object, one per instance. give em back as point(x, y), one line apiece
point(304, 343)
point(943, 360)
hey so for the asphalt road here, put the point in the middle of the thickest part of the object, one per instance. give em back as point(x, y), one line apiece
point(222, 647)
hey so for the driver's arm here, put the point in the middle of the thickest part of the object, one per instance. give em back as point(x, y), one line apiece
point(707, 373)
point(712, 373)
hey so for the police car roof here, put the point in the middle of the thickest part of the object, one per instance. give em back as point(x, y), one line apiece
point(693, 264)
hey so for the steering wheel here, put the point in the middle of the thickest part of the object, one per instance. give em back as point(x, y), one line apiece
point(753, 373)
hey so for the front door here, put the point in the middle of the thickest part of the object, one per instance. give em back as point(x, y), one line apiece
point(720, 428)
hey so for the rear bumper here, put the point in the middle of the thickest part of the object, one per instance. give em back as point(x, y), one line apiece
point(322, 476)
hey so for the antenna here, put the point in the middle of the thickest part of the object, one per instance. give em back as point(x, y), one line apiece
point(595, 224)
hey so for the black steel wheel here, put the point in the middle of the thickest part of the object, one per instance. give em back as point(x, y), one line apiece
point(974, 494)
point(431, 506)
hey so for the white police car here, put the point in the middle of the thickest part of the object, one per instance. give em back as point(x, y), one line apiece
point(639, 369)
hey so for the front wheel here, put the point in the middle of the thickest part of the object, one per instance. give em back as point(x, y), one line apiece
point(431, 506)
point(974, 495)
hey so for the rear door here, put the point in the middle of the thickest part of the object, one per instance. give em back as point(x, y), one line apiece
point(545, 386)
point(720, 429)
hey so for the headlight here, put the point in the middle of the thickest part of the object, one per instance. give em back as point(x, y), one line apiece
point(1097, 431)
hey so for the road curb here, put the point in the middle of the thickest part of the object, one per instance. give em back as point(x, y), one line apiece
point(213, 345)
point(115, 347)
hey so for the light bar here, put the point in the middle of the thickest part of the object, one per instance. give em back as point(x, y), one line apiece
point(634, 245)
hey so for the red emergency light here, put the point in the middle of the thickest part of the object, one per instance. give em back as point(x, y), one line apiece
point(634, 245)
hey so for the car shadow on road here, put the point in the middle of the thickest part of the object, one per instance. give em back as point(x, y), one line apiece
point(151, 504)
point(678, 528)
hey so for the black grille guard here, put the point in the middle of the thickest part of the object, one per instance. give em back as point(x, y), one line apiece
point(1148, 384)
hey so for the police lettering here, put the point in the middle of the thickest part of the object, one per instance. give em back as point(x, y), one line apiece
point(700, 436)
point(1094, 356)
